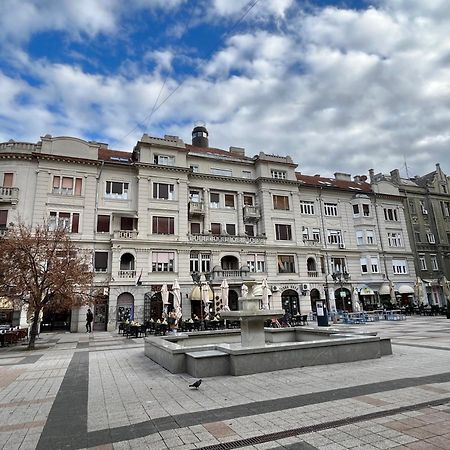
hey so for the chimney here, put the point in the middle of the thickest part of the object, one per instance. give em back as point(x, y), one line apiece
point(342, 176)
point(395, 176)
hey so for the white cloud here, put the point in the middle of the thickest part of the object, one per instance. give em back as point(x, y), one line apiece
point(339, 90)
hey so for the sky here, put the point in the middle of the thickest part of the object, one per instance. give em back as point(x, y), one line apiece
point(340, 86)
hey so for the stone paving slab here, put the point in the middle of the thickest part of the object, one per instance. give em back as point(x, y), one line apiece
point(99, 391)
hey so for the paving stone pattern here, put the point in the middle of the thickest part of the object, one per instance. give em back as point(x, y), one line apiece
point(79, 391)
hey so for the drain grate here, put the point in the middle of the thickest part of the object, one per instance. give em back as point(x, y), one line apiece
point(322, 426)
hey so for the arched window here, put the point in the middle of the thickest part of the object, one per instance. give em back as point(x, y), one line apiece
point(127, 262)
point(311, 265)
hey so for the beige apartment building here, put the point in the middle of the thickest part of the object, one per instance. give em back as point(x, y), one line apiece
point(168, 209)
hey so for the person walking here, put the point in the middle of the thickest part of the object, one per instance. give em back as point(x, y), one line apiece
point(89, 319)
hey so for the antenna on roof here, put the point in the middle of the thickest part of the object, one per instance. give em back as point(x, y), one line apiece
point(406, 167)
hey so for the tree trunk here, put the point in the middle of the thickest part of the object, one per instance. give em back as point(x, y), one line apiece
point(34, 329)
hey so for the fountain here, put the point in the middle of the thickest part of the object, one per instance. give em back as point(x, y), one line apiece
point(255, 349)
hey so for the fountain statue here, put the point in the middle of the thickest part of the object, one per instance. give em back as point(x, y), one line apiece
point(251, 316)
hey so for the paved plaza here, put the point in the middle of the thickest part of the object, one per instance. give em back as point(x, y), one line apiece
point(99, 391)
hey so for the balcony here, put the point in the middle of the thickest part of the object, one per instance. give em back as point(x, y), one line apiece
point(231, 275)
point(126, 234)
point(196, 209)
point(313, 273)
point(251, 214)
point(9, 194)
point(226, 239)
point(311, 242)
point(126, 274)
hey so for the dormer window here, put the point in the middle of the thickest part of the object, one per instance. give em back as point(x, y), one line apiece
point(164, 160)
point(278, 174)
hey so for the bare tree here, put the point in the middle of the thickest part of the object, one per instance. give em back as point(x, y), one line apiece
point(41, 269)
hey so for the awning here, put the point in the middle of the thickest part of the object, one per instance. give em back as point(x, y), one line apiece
point(405, 289)
point(366, 291)
point(384, 289)
point(196, 294)
point(6, 303)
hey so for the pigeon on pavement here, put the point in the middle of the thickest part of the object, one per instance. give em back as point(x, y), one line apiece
point(196, 384)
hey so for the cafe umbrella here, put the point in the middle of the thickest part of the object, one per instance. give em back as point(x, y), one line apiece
point(224, 288)
point(177, 299)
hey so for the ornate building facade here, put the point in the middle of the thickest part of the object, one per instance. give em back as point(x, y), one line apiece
point(168, 209)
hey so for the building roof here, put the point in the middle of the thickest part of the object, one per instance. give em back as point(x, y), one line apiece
point(216, 152)
point(107, 155)
point(317, 181)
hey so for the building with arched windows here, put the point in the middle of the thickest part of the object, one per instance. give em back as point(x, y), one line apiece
point(168, 209)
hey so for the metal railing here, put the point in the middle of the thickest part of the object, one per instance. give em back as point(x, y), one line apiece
point(226, 239)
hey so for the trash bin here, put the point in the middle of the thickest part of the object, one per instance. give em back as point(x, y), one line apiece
point(322, 315)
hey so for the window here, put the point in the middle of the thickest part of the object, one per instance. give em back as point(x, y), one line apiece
point(283, 232)
point(338, 265)
point(359, 238)
point(8, 179)
point(374, 264)
point(65, 220)
point(3, 218)
point(163, 225)
point(286, 264)
point(164, 160)
point(199, 262)
point(395, 240)
point(430, 238)
point(214, 199)
point(250, 230)
point(246, 174)
point(101, 261)
point(334, 236)
point(163, 191)
point(390, 214)
point(356, 210)
point(221, 172)
point(281, 202)
point(363, 262)
point(215, 229)
point(445, 206)
point(370, 237)
point(116, 190)
point(256, 262)
point(422, 262)
point(195, 228)
point(305, 234)
point(249, 200)
point(66, 185)
point(194, 168)
point(366, 210)
point(229, 201)
point(231, 229)
point(434, 263)
point(194, 196)
point(163, 261)
point(278, 174)
point(399, 266)
point(330, 209)
point(444, 189)
point(103, 223)
point(417, 236)
point(307, 207)
point(315, 234)
point(423, 208)
point(412, 206)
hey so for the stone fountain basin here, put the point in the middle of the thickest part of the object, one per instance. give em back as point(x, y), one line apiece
point(217, 353)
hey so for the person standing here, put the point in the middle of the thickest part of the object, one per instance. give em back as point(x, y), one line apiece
point(89, 319)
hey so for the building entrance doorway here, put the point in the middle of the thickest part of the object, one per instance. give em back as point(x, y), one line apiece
point(290, 302)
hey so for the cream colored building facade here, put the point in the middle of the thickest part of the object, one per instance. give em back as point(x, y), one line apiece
point(167, 209)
